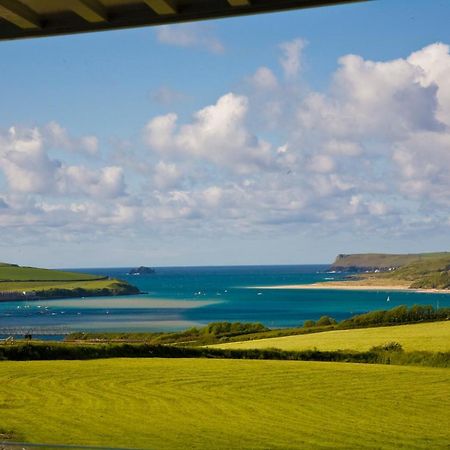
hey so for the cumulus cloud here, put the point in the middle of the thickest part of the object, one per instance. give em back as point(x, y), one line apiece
point(57, 136)
point(396, 111)
point(217, 134)
point(264, 79)
point(373, 100)
point(28, 169)
point(361, 155)
point(291, 58)
point(106, 182)
point(370, 153)
point(24, 162)
point(190, 35)
point(166, 176)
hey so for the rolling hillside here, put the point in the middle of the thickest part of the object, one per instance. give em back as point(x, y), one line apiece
point(383, 261)
point(417, 271)
point(224, 404)
point(433, 336)
point(18, 283)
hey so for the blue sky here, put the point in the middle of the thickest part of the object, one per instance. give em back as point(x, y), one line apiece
point(238, 141)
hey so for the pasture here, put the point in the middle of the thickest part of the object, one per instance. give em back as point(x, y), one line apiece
point(431, 336)
point(17, 273)
point(46, 282)
point(223, 404)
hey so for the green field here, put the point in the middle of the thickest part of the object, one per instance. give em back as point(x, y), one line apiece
point(433, 336)
point(47, 285)
point(417, 271)
point(385, 260)
point(57, 283)
point(17, 273)
point(224, 404)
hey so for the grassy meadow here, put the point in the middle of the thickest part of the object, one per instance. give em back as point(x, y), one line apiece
point(431, 336)
point(57, 283)
point(11, 272)
point(222, 404)
point(48, 285)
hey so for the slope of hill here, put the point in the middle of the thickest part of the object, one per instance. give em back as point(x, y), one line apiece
point(383, 261)
point(12, 272)
point(20, 283)
point(224, 404)
point(416, 271)
point(432, 336)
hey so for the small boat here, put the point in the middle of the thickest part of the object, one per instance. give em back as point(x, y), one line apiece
point(388, 299)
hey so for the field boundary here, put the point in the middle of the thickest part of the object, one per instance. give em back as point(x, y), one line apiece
point(391, 353)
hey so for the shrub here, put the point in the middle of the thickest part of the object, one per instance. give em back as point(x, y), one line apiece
point(325, 320)
point(388, 347)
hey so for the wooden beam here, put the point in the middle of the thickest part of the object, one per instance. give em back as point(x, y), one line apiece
point(19, 14)
point(162, 7)
point(90, 10)
point(239, 2)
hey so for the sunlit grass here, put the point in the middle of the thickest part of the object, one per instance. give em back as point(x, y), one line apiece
point(433, 336)
point(223, 404)
point(46, 285)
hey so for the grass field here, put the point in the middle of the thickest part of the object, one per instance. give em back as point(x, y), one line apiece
point(19, 279)
point(223, 404)
point(16, 273)
point(45, 285)
point(433, 336)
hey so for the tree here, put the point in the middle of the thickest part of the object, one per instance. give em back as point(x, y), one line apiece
point(325, 320)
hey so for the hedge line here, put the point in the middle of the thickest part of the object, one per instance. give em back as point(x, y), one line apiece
point(390, 354)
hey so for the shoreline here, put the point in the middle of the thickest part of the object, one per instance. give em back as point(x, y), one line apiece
point(352, 287)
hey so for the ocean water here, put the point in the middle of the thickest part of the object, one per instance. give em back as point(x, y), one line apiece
point(180, 297)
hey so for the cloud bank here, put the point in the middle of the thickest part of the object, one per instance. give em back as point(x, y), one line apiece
point(371, 153)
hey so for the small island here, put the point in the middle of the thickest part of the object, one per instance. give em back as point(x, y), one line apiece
point(141, 270)
point(31, 283)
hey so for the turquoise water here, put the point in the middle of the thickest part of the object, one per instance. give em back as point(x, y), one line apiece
point(177, 298)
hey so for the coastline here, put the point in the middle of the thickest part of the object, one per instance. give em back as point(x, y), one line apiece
point(346, 286)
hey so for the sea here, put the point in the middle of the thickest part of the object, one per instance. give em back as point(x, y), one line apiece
point(176, 298)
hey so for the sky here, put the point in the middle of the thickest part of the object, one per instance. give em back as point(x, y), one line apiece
point(281, 138)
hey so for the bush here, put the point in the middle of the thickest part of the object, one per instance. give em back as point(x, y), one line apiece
point(388, 347)
point(309, 324)
point(325, 321)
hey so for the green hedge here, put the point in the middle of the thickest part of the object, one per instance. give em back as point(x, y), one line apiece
point(392, 354)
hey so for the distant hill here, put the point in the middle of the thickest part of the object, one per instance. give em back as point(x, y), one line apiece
point(22, 283)
point(13, 272)
point(421, 271)
point(382, 261)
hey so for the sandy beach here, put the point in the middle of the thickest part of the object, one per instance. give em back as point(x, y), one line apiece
point(354, 286)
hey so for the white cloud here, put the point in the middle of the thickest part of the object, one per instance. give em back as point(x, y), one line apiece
point(107, 182)
point(57, 136)
point(217, 134)
point(369, 154)
point(264, 79)
point(372, 100)
point(28, 169)
point(291, 59)
point(24, 162)
point(166, 176)
point(167, 96)
point(190, 35)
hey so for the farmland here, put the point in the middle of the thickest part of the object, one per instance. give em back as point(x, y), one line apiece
point(201, 403)
point(57, 283)
point(433, 336)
